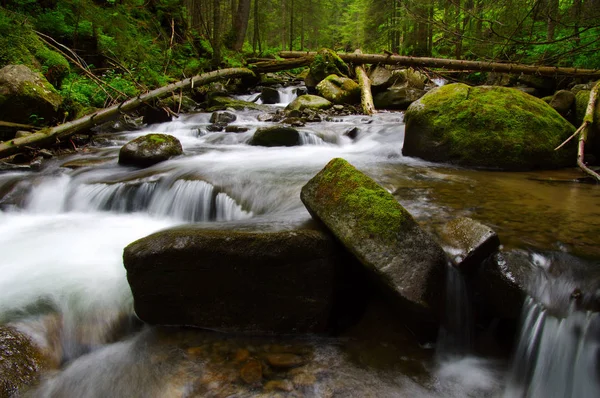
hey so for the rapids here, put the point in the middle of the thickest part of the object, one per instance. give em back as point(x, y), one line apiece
point(62, 281)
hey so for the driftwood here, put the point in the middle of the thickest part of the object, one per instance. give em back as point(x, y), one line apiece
point(366, 98)
point(425, 62)
point(55, 134)
point(17, 126)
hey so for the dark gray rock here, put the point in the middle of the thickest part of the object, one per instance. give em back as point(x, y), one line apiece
point(222, 117)
point(236, 129)
point(149, 149)
point(243, 279)
point(398, 98)
point(468, 242)
point(155, 114)
point(276, 136)
point(382, 235)
point(563, 101)
point(269, 95)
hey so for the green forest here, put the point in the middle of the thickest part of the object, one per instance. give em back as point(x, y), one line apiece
point(137, 45)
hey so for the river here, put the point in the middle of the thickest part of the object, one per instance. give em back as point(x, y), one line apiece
point(62, 280)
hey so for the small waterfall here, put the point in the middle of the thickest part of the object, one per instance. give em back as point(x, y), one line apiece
point(455, 335)
point(556, 357)
point(307, 138)
point(186, 200)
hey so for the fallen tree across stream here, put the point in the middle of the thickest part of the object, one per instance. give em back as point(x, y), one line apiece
point(425, 62)
point(51, 135)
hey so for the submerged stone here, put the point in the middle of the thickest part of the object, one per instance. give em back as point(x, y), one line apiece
point(20, 362)
point(149, 149)
point(384, 237)
point(237, 280)
point(488, 127)
point(468, 242)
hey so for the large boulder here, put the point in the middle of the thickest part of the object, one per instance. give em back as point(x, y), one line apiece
point(27, 97)
point(384, 237)
point(398, 98)
point(149, 149)
point(248, 278)
point(488, 127)
point(276, 136)
point(21, 362)
point(313, 102)
point(222, 102)
point(563, 102)
point(325, 63)
point(270, 95)
point(339, 90)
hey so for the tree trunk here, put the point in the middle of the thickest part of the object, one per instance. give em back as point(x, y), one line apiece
point(51, 135)
point(426, 62)
point(366, 98)
point(256, 33)
point(291, 25)
point(216, 35)
point(241, 24)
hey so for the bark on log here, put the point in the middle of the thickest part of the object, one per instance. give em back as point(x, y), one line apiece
point(451, 63)
point(277, 66)
point(366, 98)
point(17, 126)
point(53, 134)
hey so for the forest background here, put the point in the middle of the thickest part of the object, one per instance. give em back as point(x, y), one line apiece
point(137, 45)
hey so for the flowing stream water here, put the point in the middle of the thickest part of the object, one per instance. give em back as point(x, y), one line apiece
point(62, 281)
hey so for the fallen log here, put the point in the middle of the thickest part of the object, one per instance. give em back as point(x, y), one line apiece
point(279, 65)
point(425, 62)
point(366, 98)
point(52, 135)
point(17, 126)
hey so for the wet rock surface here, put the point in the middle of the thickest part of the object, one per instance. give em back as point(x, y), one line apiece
point(381, 234)
point(276, 136)
point(21, 362)
point(468, 242)
point(244, 280)
point(149, 149)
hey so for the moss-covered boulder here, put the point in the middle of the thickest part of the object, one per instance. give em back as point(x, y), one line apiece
point(308, 101)
point(276, 136)
point(149, 149)
point(246, 278)
point(382, 235)
point(487, 127)
point(339, 90)
point(325, 63)
point(581, 102)
point(27, 97)
point(563, 102)
point(20, 362)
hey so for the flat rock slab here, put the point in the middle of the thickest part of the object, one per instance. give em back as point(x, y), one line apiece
point(384, 237)
point(234, 280)
point(468, 242)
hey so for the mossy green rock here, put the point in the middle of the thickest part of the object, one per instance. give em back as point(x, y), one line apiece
point(27, 97)
point(309, 101)
point(276, 136)
point(383, 236)
point(339, 90)
point(149, 149)
point(20, 361)
point(239, 279)
point(487, 127)
point(325, 63)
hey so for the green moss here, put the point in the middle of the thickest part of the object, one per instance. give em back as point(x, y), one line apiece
point(493, 127)
point(219, 103)
point(581, 101)
point(349, 191)
point(326, 63)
